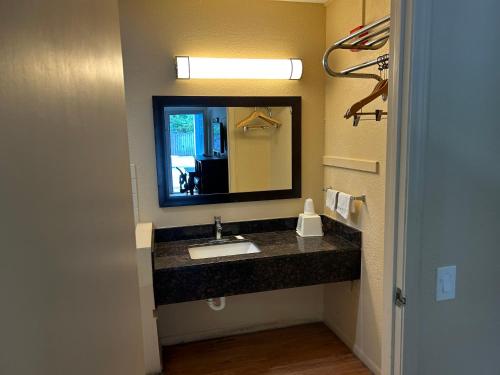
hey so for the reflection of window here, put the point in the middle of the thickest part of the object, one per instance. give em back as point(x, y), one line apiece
point(186, 133)
point(216, 136)
point(217, 141)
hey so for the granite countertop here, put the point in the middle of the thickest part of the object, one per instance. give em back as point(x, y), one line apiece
point(286, 260)
point(175, 254)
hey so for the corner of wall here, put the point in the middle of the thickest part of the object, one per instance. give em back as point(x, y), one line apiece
point(358, 320)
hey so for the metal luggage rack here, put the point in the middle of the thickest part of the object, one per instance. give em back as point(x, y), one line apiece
point(369, 38)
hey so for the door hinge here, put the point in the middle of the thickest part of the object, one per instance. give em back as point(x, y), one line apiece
point(399, 298)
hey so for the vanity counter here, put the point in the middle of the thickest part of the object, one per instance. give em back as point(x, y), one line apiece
point(286, 260)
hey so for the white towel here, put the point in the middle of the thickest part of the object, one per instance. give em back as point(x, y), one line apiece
point(344, 205)
point(328, 198)
point(331, 199)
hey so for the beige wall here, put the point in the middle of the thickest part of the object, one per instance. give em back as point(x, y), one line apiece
point(153, 32)
point(260, 159)
point(358, 319)
point(281, 150)
point(192, 321)
point(249, 155)
point(68, 275)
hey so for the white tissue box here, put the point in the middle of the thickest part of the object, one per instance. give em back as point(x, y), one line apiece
point(309, 225)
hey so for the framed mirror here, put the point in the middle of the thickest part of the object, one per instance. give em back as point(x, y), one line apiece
point(220, 149)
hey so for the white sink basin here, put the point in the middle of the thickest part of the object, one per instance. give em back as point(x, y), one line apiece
point(222, 250)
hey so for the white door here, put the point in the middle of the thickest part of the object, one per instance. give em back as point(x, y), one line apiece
point(408, 84)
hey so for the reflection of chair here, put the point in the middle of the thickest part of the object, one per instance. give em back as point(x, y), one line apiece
point(213, 174)
point(187, 181)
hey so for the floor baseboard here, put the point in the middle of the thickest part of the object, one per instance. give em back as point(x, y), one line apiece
point(229, 331)
point(355, 349)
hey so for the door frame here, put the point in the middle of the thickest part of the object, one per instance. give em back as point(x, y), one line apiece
point(406, 134)
point(168, 132)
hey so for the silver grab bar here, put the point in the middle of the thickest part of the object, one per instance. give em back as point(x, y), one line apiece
point(369, 44)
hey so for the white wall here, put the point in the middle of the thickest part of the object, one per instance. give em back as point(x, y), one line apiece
point(461, 183)
point(68, 277)
point(153, 32)
point(354, 310)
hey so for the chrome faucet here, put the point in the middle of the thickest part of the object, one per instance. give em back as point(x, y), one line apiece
point(218, 228)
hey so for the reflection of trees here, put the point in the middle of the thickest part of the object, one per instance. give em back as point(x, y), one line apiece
point(182, 123)
point(216, 136)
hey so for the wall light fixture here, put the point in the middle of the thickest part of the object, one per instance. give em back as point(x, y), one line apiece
point(222, 68)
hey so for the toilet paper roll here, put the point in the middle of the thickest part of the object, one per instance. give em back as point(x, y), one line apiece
point(309, 207)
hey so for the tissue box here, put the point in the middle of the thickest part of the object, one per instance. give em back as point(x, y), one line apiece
point(309, 225)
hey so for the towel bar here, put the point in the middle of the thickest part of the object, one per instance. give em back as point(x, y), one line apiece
point(361, 198)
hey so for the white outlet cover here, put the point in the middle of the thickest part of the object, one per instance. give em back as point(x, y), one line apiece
point(445, 283)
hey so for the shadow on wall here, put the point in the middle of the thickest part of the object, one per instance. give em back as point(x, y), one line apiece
point(350, 320)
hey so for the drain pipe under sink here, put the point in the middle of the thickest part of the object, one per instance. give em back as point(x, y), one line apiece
point(217, 306)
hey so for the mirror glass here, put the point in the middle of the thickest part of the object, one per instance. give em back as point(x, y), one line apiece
point(226, 152)
point(209, 154)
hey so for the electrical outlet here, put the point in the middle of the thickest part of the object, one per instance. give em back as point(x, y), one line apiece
point(445, 283)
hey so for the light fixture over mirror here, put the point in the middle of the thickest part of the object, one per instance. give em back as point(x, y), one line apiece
point(225, 68)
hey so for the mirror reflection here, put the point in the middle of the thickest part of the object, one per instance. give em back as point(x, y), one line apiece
point(213, 150)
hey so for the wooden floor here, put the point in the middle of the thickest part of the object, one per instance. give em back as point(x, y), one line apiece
point(303, 350)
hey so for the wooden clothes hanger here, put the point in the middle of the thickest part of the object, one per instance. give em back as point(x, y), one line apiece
point(382, 88)
point(258, 115)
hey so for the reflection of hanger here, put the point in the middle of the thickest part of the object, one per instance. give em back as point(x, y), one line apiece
point(258, 115)
point(381, 89)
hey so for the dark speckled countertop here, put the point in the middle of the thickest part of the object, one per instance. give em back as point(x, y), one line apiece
point(271, 244)
point(286, 260)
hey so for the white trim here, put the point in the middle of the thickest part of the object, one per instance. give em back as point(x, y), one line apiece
point(391, 321)
point(351, 163)
point(404, 189)
point(414, 122)
point(366, 360)
point(358, 352)
point(144, 246)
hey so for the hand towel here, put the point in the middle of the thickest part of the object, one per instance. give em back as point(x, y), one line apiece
point(331, 199)
point(344, 205)
point(328, 198)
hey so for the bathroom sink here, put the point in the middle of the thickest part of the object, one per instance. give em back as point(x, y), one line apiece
point(222, 250)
